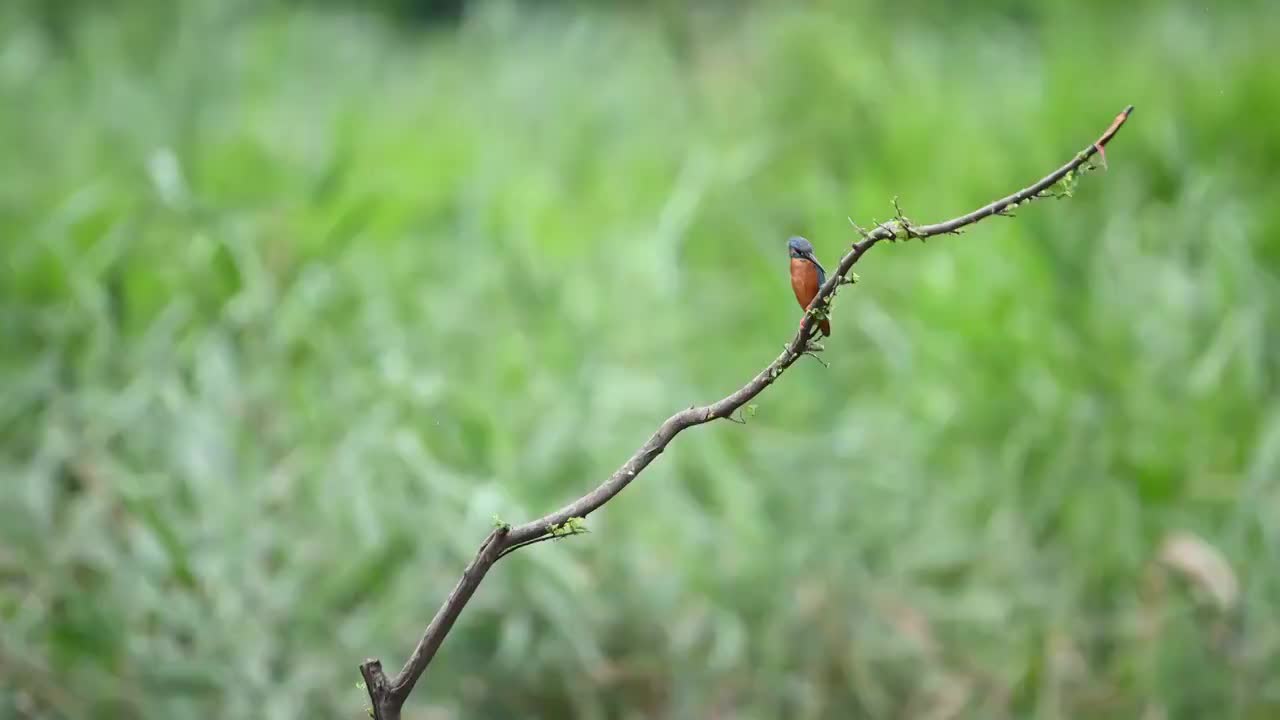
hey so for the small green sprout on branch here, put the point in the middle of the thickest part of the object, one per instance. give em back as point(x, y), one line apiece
point(572, 526)
point(1068, 183)
point(747, 411)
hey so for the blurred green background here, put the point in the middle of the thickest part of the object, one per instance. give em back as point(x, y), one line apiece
point(295, 297)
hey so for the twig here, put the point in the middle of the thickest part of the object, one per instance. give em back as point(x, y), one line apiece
point(512, 548)
point(858, 227)
point(389, 694)
point(814, 355)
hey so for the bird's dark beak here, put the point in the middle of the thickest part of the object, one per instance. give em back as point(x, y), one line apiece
point(813, 259)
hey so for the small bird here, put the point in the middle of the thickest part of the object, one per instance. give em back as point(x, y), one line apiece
point(807, 275)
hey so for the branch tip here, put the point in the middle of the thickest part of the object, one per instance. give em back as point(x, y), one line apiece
point(382, 699)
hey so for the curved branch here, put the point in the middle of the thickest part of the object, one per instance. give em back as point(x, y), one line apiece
point(389, 694)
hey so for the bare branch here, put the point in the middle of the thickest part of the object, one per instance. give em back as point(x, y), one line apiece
point(389, 694)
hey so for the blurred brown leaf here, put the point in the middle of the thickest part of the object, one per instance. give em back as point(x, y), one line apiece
point(1203, 565)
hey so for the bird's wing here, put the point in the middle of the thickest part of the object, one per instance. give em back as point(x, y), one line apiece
point(822, 273)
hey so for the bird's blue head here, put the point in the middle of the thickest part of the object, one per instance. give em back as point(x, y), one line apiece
point(800, 248)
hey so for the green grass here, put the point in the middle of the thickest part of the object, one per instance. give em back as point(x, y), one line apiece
point(293, 303)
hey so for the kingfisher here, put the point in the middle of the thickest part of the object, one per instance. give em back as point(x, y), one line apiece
point(807, 275)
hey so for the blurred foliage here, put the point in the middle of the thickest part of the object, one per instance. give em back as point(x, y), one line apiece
point(293, 303)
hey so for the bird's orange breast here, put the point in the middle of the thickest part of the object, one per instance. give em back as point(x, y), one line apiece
point(804, 281)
